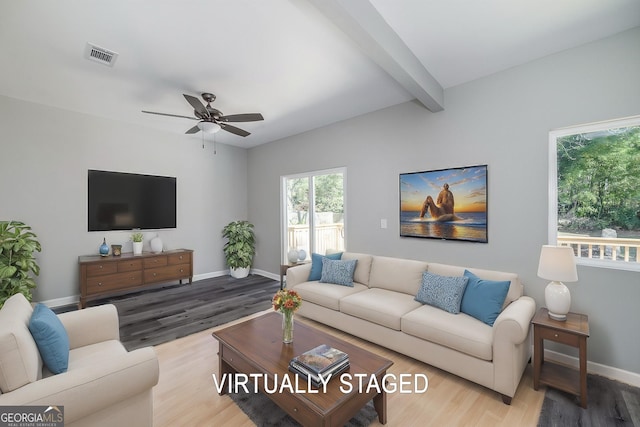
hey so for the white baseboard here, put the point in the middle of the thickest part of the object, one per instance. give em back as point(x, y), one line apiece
point(266, 274)
point(617, 374)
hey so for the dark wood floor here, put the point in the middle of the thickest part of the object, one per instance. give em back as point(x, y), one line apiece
point(159, 315)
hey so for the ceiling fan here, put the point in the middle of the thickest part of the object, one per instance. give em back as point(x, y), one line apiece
point(212, 120)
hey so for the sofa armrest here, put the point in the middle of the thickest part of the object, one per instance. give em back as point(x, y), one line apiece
point(91, 325)
point(298, 274)
point(513, 323)
point(88, 390)
point(511, 345)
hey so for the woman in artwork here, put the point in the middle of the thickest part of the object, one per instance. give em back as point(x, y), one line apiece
point(442, 209)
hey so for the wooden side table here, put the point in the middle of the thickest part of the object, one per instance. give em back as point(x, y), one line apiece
point(283, 271)
point(573, 332)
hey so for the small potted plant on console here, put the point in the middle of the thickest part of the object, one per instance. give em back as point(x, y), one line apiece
point(138, 240)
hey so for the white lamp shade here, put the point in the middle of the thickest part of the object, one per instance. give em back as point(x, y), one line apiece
point(557, 263)
point(208, 127)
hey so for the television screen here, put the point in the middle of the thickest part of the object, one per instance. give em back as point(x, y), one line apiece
point(125, 201)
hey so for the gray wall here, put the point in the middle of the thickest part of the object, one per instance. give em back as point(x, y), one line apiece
point(502, 120)
point(44, 156)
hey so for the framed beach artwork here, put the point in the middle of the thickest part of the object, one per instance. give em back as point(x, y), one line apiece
point(447, 204)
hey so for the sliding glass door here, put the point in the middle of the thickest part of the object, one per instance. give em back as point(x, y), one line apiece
point(313, 213)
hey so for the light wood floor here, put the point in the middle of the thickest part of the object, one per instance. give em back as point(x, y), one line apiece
point(185, 395)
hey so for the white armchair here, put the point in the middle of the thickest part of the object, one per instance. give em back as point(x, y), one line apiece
point(104, 385)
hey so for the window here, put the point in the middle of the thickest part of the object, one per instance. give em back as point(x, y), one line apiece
point(595, 192)
point(313, 218)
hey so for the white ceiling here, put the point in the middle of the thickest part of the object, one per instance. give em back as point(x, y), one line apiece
point(300, 66)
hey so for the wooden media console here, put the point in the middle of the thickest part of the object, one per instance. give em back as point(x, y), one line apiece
point(104, 276)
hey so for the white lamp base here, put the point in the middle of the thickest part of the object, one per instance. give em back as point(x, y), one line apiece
point(558, 300)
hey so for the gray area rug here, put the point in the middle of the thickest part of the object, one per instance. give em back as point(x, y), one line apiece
point(160, 315)
point(609, 403)
point(264, 413)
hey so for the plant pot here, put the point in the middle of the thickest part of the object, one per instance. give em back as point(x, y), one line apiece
point(240, 272)
point(137, 248)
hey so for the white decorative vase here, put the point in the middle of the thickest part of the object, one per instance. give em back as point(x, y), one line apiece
point(240, 272)
point(137, 248)
point(292, 256)
point(156, 244)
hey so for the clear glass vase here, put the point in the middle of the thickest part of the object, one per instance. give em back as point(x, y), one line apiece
point(287, 326)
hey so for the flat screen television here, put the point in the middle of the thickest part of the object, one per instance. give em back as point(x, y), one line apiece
point(126, 201)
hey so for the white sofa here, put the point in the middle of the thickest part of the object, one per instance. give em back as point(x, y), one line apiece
point(104, 385)
point(381, 308)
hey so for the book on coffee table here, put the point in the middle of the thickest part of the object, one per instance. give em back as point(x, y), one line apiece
point(318, 379)
point(321, 359)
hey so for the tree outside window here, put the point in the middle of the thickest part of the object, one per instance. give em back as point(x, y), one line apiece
point(598, 190)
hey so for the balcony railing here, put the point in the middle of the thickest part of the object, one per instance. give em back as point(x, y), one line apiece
point(615, 249)
point(327, 236)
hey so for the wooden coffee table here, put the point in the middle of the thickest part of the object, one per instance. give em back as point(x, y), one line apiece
point(255, 347)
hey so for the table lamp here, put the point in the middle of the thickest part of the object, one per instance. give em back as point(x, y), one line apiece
point(558, 264)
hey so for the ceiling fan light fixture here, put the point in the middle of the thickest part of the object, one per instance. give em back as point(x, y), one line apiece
point(209, 127)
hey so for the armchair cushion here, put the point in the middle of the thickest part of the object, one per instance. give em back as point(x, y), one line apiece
point(51, 338)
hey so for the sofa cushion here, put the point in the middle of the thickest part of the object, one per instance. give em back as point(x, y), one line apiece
point(379, 306)
point(483, 299)
point(326, 294)
point(20, 361)
point(395, 274)
point(460, 332)
point(51, 338)
point(316, 264)
point(515, 288)
point(444, 292)
point(338, 272)
point(363, 267)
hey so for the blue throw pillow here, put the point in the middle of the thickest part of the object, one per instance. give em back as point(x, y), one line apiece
point(483, 299)
point(442, 291)
point(316, 264)
point(51, 338)
point(338, 272)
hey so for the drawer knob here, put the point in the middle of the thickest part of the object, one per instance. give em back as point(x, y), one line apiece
point(99, 283)
point(555, 335)
point(180, 256)
point(181, 270)
point(100, 266)
point(231, 359)
point(295, 409)
point(154, 274)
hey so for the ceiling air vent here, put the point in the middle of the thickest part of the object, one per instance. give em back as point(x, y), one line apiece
point(100, 54)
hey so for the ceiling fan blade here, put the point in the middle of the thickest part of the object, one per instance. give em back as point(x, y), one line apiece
point(197, 105)
point(247, 117)
point(194, 129)
point(170, 115)
point(235, 130)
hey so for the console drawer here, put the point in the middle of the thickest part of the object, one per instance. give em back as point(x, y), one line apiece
point(129, 265)
point(183, 258)
point(157, 261)
point(164, 274)
point(101, 269)
point(113, 282)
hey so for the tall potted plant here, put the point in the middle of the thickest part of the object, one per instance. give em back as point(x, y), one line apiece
point(17, 262)
point(240, 247)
